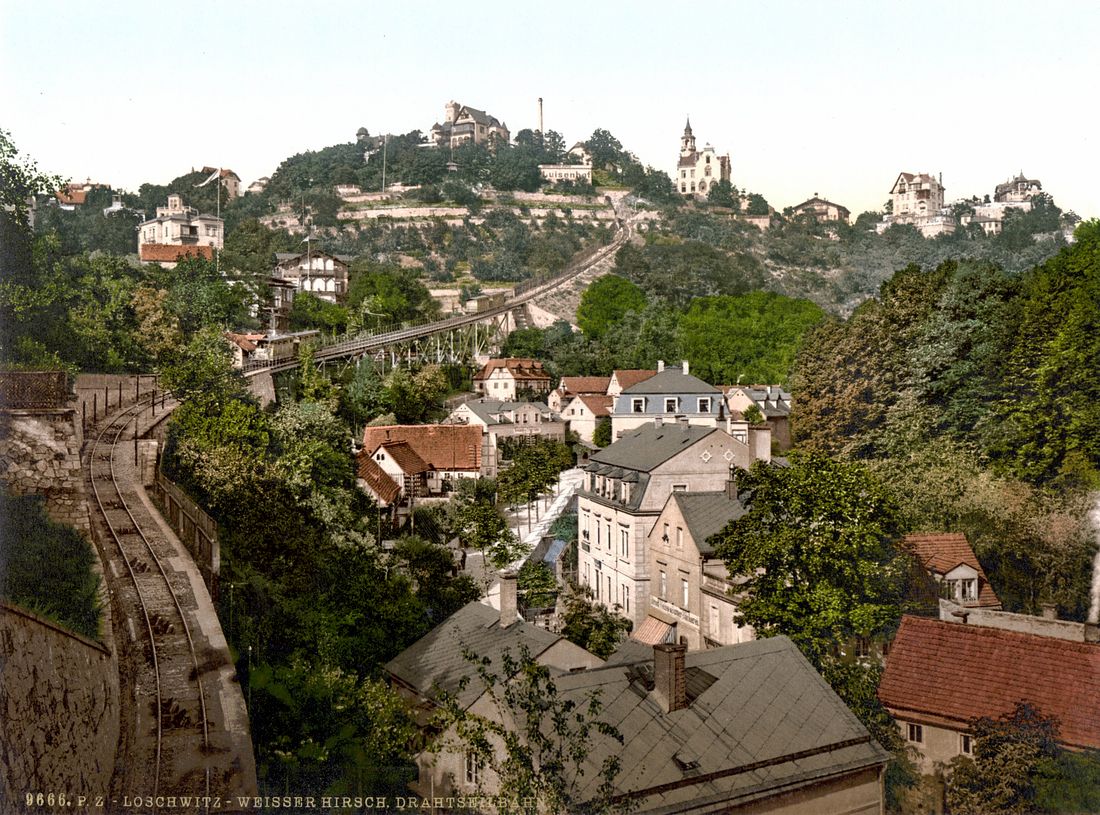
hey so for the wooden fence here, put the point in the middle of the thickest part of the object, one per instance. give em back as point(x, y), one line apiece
point(197, 530)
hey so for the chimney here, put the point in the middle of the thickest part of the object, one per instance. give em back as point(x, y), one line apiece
point(540, 115)
point(508, 610)
point(685, 365)
point(1050, 611)
point(658, 421)
point(669, 685)
point(731, 483)
point(1092, 633)
point(660, 365)
point(682, 421)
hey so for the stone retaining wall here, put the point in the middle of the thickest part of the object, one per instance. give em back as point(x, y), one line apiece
point(40, 455)
point(59, 712)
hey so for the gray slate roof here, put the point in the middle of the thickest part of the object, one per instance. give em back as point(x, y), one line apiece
point(672, 381)
point(707, 513)
point(487, 409)
point(436, 663)
point(649, 446)
point(757, 706)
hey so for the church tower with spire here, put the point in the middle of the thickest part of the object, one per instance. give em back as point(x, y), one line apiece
point(699, 170)
point(687, 141)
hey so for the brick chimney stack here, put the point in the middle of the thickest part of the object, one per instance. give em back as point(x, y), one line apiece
point(669, 685)
point(508, 608)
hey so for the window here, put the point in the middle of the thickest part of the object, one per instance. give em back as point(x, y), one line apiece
point(671, 404)
point(664, 535)
point(679, 537)
point(685, 593)
point(679, 487)
point(914, 733)
point(968, 589)
point(704, 404)
point(714, 622)
point(473, 768)
point(609, 588)
point(966, 747)
point(663, 585)
point(637, 405)
point(624, 541)
point(609, 543)
point(626, 599)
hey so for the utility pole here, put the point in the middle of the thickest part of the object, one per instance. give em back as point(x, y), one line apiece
point(385, 140)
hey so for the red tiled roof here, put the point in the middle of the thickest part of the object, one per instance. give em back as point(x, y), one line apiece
point(584, 384)
point(405, 457)
point(599, 405)
point(962, 672)
point(76, 197)
point(941, 552)
point(442, 446)
point(171, 253)
point(379, 481)
point(521, 369)
point(631, 377)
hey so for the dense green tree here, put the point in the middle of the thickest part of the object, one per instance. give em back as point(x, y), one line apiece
point(605, 149)
point(592, 626)
point(816, 545)
point(382, 294)
point(1010, 754)
point(750, 338)
point(757, 205)
point(308, 311)
point(606, 301)
point(724, 194)
point(601, 436)
point(431, 568)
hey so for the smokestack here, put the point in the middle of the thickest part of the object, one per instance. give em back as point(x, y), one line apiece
point(540, 115)
point(669, 685)
point(508, 609)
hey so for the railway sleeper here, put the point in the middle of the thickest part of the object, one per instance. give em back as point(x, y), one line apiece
point(125, 530)
point(160, 625)
point(172, 716)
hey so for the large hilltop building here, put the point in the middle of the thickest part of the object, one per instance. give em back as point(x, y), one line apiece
point(177, 231)
point(699, 170)
point(1016, 193)
point(917, 199)
point(463, 124)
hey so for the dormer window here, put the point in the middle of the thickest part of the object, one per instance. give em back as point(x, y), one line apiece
point(671, 404)
point(637, 405)
point(704, 404)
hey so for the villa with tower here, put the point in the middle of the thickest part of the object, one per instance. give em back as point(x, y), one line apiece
point(699, 170)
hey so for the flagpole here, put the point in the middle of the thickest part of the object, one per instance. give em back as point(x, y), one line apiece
point(218, 253)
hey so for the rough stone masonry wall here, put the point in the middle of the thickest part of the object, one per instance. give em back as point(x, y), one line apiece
point(59, 714)
point(40, 455)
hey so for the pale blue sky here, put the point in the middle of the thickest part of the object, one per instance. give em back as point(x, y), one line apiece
point(833, 98)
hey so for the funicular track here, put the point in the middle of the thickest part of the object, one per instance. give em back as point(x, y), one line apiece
point(171, 738)
point(372, 341)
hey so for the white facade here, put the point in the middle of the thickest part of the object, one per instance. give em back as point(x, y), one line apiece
point(180, 225)
point(615, 514)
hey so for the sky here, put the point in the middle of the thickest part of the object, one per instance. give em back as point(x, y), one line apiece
point(833, 98)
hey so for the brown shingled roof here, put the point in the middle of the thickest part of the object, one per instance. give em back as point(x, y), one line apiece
point(941, 552)
point(599, 405)
point(378, 480)
point(171, 253)
point(442, 447)
point(405, 457)
point(632, 376)
point(584, 384)
point(520, 368)
point(957, 673)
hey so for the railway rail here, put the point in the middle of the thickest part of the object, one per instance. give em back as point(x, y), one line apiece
point(172, 736)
